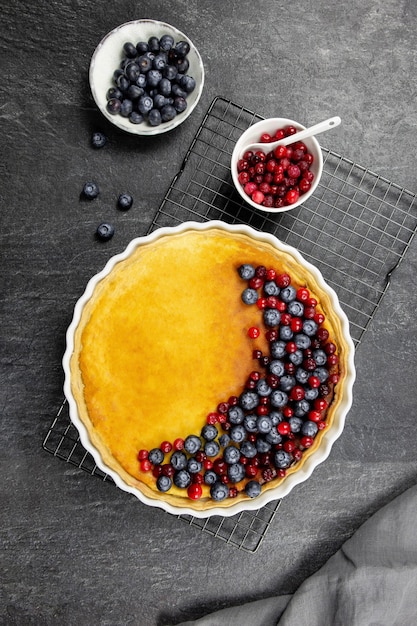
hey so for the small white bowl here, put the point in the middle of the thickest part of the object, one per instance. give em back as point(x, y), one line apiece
point(253, 135)
point(108, 55)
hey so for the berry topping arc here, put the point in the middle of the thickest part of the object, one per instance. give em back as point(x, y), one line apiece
point(254, 437)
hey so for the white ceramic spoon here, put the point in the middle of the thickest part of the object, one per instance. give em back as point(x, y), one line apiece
point(300, 135)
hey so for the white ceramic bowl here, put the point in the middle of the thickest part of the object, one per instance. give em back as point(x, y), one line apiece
point(330, 434)
point(253, 135)
point(108, 55)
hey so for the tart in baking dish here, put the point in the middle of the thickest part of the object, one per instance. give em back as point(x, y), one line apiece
point(207, 366)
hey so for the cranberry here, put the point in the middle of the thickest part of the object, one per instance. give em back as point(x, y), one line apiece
point(302, 294)
point(142, 455)
point(258, 197)
point(284, 428)
point(195, 491)
point(212, 418)
point(145, 465)
point(222, 408)
point(167, 470)
point(233, 492)
point(283, 280)
point(306, 442)
point(178, 444)
point(254, 332)
point(251, 470)
point(166, 447)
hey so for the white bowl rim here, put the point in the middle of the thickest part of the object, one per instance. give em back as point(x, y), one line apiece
point(144, 130)
point(330, 435)
point(253, 129)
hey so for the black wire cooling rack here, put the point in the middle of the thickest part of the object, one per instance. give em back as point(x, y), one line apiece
point(356, 229)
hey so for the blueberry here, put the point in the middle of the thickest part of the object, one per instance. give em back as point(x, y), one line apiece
point(285, 333)
point(168, 113)
point(271, 288)
point(141, 81)
point(262, 388)
point(159, 101)
point(105, 231)
point(194, 466)
point(231, 454)
point(178, 92)
point(124, 201)
point(246, 271)
point(286, 383)
point(122, 83)
point(154, 117)
point(164, 87)
point(309, 429)
point(153, 44)
point(178, 460)
point(321, 373)
point(271, 317)
point(224, 440)
point(282, 459)
point(302, 341)
point(248, 400)
point(192, 444)
point(276, 367)
point(98, 140)
point(250, 423)
point(210, 477)
point(250, 296)
point(129, 49)
point(262, 445)
point(182, 49)
point(180, 104)
point(142, 47)
point(145, 63)
point(183, 65)
point(126, 107)
point(236, 472)
point(278, 398)
point(296, 357)
point(134, 92)
point(211, 448)
point(132, 72)
point(301, 407)
point(145, 104)
point(295, 308)
point(238, 433)
point(278, 349)
point(273, 437)
point(253, 489)
point(114, 105)
point(276, 417)
point(219, 491)
point(187, 83)
point(320, 357)
point(164, 483)
point(301, 375)
point(114, 92)
point(159, 62)
point(156, 456)
point(311, 394)
point(136, 118)
point(310, 327)
point(235, 415)
point(182, 479)
point(91, 190)
point(166, 42)
point(170, 72)
point(295, 424)
point(248, 450)
point(209, 432)
point(288, 294)
point(264, 424)
point(153, 78)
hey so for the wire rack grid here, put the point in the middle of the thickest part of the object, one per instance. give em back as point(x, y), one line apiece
point(356, 228)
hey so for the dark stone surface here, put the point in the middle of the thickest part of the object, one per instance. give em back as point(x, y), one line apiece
point(76, 550)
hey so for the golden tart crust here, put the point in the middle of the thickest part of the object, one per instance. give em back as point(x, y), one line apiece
point(163, 340)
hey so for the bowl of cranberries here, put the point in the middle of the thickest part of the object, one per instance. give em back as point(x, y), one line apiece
point(278, 179)
point(146, 77)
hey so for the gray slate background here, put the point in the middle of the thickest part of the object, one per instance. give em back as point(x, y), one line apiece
point(79, 551)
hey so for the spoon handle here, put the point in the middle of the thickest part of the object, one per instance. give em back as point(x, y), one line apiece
point(332, 122)
point(300, 135)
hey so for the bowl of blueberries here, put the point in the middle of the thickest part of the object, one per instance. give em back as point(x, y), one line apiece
point(146, 77)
